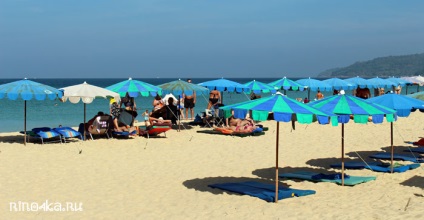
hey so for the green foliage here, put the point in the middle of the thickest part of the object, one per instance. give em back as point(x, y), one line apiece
point(407, 65)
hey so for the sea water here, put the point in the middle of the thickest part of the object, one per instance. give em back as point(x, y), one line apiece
point(52, 113)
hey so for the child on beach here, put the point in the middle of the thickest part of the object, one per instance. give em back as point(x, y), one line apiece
point(146, 117)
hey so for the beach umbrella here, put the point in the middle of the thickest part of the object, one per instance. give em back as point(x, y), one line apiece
point(381, 83)
point(346, 105)
point(417, 95)
point(360, 82)
point(134, 88)
point(225, 85)
point(178, 87)
point(403, 106)
point(339, 84)
point(399, 81)
point(27, 90)
point(314, 85)
point(260, 87)
point(285, 110)
point(86, 93)
point(287, 84)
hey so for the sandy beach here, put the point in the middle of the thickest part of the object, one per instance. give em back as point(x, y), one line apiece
point(168, 177)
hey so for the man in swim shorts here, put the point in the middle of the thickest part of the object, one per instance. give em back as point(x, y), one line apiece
point(189, 101)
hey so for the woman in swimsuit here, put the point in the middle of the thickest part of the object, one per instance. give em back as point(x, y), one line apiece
point(214, 98)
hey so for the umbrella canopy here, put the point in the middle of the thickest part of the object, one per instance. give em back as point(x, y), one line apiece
point(413, 80)
point(417, 95)
point(339, 84)
point(287, 84)
point(258, 87)
point(314, 84)
point(381, 83)
point(284, 109)
point(399, 81)
point(134, 88)
point(178, 87)
point(345, 105)
point(27, 90)
point(225, 85)
point(360, 82)
point(86, 93)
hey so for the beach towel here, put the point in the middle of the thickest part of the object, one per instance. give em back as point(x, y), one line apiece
point(376, 166)
point(67, 132)
point(406, 157)
point(333, 178)
point(416, 150)
point(225, 131)
point(262, 190)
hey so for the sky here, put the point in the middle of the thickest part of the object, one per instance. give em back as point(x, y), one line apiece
point(201, 38)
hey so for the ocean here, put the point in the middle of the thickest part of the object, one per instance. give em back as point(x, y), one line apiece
point(49, 113)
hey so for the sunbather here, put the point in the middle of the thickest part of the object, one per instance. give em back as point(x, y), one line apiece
point(160, 120)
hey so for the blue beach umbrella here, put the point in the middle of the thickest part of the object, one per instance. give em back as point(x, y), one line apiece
point(225, 85)
point(339, 84)
point(178, 87)
point(134, 88)
point(314, 85)
point(403, 106)
point(27, 90)
point(360, 82)
point(345, 105)
point(258, 87)
point(285, 110)
point(287, 84)
point(399, 81)
point(381, 83)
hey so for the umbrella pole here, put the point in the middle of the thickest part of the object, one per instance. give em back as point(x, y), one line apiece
point(84, 123)
point(179, 113)
point(25, 135)
point(391, 143)
point(276, 163)
point(342, 154)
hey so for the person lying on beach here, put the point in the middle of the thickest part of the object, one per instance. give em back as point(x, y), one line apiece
point(160, 120)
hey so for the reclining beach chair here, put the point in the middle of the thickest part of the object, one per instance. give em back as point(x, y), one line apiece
point(100, 126)
point(44, 134)
point(154, 130)
point(67, 132)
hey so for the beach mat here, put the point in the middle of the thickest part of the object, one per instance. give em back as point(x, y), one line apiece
point(419, 150)
point(221, 131)
point(376, 166)
point(262, 190)
point(332, 178)
point(405, 157)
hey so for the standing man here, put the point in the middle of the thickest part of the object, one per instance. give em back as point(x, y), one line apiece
point(189, 101)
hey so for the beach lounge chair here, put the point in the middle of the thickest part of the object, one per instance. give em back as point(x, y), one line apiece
point(224, 131)
point(45, 134)
point(154, 130)
point(100, 126)
point(332, 178)
point(262, 190)
point(406, 157)
point(376, 166)
point(67, 132)
point(124, 134)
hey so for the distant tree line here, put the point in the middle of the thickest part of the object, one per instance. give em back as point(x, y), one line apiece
point(406, 65)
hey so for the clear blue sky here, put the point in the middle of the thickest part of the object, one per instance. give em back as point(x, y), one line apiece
point(199, 38)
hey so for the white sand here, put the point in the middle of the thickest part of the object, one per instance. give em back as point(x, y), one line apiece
point(167, 178)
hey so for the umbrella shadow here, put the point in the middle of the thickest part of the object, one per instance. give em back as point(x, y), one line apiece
point(183, 126)
point(326, 162)
point(398, 149)
point(362, 154)
point(202, 184)
point(269, 173)
point(415, 181)
point(12, 139)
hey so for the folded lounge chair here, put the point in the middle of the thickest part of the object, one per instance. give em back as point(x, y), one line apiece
point(154, 130)
point(376, 166)
point(44, 134)
point(67, 132)
point(262, 190)
point(332, 178)
point(406, 157)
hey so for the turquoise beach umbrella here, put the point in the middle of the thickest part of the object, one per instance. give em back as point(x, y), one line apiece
point(314, 85)
point(287, 84)
point(27, 90)
point(339, 84)
point(381, 83)
point(178, 87)
point(346, 105)
point(360, 82)
point(134, 88)
point(258, 87)
point(225, 85)
point(284, 109)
